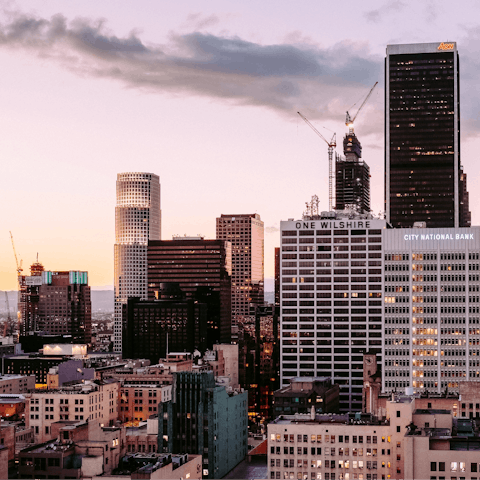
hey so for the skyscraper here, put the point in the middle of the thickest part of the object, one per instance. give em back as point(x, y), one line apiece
point(424, 180)
point(137, 220)
point(331, 300)
point(56, 303)
point(352, 177)
point(246, 234)
point(202, 269)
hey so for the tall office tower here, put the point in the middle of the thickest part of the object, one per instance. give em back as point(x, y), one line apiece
point(57, 303)
point(137, 220)
point(246, 234)
point(352, 177)
point(170, 323)
point(202, 268)
point(331, 300)
point(431, 319)
point(424, 180)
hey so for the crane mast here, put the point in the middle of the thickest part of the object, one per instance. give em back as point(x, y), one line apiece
point(331, 145)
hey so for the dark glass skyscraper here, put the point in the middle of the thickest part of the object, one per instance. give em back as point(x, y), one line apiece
point(424, 180)
point(202, 269)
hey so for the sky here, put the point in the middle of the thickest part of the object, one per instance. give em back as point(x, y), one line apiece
point(204, 94)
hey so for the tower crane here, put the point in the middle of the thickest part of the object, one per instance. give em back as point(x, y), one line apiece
point(331, 145)
point(349, 120)
point(19, 265)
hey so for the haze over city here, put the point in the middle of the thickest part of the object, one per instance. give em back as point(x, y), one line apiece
point(204, 95)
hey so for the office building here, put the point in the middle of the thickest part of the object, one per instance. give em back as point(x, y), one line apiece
point(137, 220)
point(171, 323)
point(57, 303)
point(202, 269)
point(352, 177)
point(431, 320)
point(204, 418)
point(424, 179)
point(246, 234)
point(408, 441)
point(331, 300)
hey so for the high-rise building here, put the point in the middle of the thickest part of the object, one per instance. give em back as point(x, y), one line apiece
point(246, 234)
point(137, 220)
point(57, 303)
point(424, 180)
point(331, 300)
point(171, 323)
point(352, 177)
point(202, 269)
point(431, 319)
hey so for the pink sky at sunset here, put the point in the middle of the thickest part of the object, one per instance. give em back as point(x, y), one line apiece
point(205, 95)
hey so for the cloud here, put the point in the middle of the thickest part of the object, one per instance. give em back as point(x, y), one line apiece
point(199, 22)
point(272, 229)
point(377, 15)
point(285, 77)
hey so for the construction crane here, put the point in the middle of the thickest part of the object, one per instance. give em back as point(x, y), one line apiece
point(349, 120)
point(331, 145)
point(19, 265)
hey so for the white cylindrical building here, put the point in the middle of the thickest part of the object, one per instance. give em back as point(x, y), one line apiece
point(137, 220)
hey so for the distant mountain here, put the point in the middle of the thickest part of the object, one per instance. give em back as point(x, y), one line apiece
point(12, 301)
point(102, 300)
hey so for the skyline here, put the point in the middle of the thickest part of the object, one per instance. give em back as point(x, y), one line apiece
point(176, 95)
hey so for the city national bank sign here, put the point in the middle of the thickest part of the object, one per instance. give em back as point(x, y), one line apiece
point(439, 236)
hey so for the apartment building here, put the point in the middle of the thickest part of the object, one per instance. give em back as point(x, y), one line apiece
point(95, 401)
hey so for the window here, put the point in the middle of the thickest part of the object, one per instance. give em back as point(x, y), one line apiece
point(441, 466)
point(473, 467)
point(398, 413)
point(433, 466)
point(398, 428)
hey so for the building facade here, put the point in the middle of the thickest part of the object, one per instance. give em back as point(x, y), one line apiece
point(331, 300)
point(57, 303)
point(352, 177)
point(202, 269)
point(246, 234)
point(424, 180)
point(431, 308)
point(96, 403)
point(137, 220)
point(203, 418)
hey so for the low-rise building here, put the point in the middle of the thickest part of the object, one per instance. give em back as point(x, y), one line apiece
point(408, 442)
point(17, 383)
point(144, 438)
point(305, 392)
point(12, 406)
point(95, 401)
point(139, 399)
point(156, 466)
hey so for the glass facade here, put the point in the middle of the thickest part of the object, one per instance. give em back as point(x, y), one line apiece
point(424, 178)
point(202, 269)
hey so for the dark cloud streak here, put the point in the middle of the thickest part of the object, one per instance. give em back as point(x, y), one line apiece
point(283, 77)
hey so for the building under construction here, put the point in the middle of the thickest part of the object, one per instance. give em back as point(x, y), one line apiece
point(352, 177)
